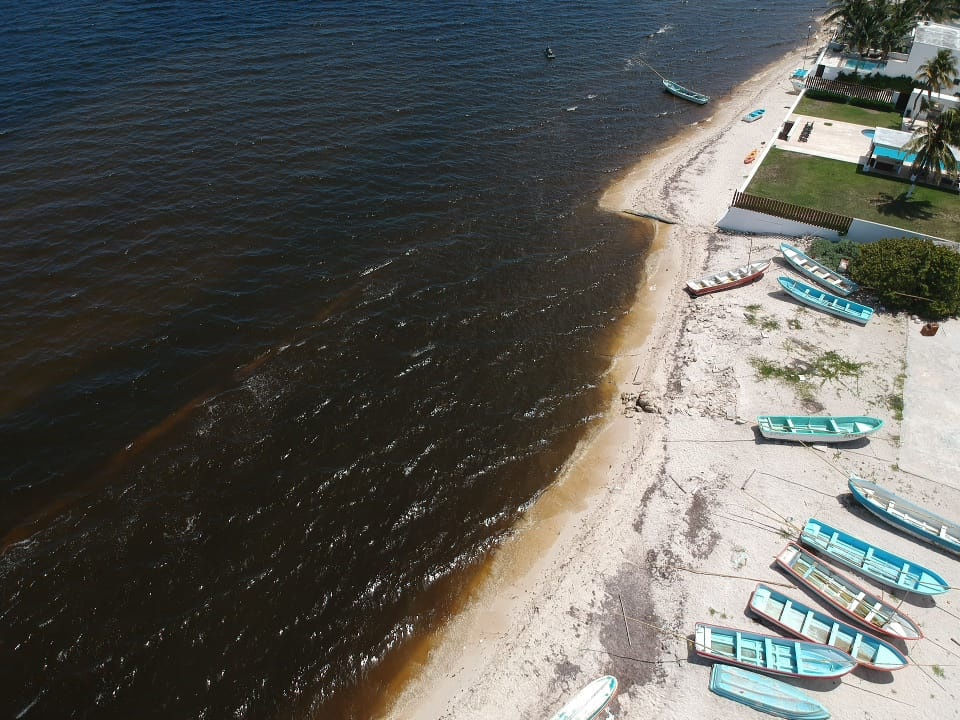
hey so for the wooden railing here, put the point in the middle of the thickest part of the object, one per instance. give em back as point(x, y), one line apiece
point(789, 211)
point(854, 91)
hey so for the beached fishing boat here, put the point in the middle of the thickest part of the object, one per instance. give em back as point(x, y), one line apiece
point(903, 514)
point(751, 156)
point(769, 653)
point(754, 116)
point(816, 626)
point(682, 92)
point(817, 429)
point(870, 560)
point(588, 703)
point(715, 282)
point(799, 80)
point(825, 302)
point(846, 596)
point(766, 694)
point(817, 272)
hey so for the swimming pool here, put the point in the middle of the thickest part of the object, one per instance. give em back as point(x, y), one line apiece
point(866, 66)
point(868, 133)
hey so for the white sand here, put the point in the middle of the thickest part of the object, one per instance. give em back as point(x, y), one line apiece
point(654, 497)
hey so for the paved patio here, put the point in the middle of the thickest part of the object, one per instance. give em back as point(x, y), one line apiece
point(829, 139)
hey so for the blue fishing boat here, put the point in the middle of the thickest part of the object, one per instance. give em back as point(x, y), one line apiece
point(812, 428)
point(834, 282)
point(869, 560)
point(682, 92)
point(846, 596)
point(770, 654)
point(825, 302)
point(903, 514)
point(588, 703)
point(754, 116)
point(766, 694)
point(815, 626)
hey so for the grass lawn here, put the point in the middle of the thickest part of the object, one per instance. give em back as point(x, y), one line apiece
point(848, 113)
point(840, 187)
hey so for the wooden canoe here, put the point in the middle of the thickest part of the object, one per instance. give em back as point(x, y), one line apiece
point(770, 653)
point(825, 302)
point(834, 282)
point(814, 429)
point(681, 92)
point(766, 694)
point(715, 282)
point(588, 703)
point(816, 626)
point(904, 515)
point(846, 596)
point(870, 560)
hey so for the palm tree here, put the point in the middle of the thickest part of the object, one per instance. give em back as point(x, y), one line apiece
point(935, 74)
point(937, 10)
point(932, 145)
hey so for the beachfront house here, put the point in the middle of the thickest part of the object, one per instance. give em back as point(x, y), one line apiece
point(888, 154)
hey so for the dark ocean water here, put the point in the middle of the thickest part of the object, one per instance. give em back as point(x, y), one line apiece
point(303, 305)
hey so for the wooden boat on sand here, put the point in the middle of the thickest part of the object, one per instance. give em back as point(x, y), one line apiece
point(846, 596)
point(904, 515)
point(834, 282)
point(817, 429)
point(588, 703)
point(743, 275)
point(816, 626)
point(681, 92)
point(876, 563)
point(825, 302)
point(766, 694)
point(770, 654)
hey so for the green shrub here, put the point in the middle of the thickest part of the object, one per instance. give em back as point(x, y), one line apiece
point(912, 275)
point(830, 252)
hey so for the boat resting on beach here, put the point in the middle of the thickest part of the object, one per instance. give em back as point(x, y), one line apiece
point(825, 302)
point(834, 282)
point(797, 619)
point(766, 694)
point(817, 429)
point(770, 653)
point(751, 156)
point(588, 703)
point(845, 595)
point(715, 282)
point(754, 116)
point(799, 80)
point(681, 92)
point(906, 516)
point(870, 560)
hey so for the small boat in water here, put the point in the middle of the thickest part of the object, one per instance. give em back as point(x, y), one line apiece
point(815, 626)
point(846, 596)
point(825, 302)
point(903, 514)
point(817, 272)
point(876, 563)
point(682, 92)
point(771, 654)
point(817, 429)
point(754, 116)
point(588, 703)
point(766, 694)
point(548, 54)
point(743, 275)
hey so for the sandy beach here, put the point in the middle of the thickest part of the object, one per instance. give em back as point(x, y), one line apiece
point(671, 517)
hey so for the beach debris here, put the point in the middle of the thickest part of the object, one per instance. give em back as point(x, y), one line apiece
point(640, 401)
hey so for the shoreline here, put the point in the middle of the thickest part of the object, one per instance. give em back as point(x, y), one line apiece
point(652, 526)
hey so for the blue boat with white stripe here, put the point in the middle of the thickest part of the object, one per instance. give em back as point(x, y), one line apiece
point(766, 694)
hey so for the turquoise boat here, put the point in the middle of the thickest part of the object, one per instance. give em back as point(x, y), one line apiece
point(869, 560)
point(682, 92)
point(766, 694)
point(811, 429)
point(754, 116)
point(588, 703)
point(834, 282)
point(770, 654)
point(825, 302)
point(815, 626)
point(846, 596)
point(904, 515)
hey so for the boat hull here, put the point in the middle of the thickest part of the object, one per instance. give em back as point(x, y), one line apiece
point(825, 302)
point(843, 594)
point(812, 428)
point(802, 263)
point(754, 116)
point(588, 703)
point(798, 619)
point(770, 654)
point(681, 92)
point(765, 694)
point(876, 563)
point(906, 516)
point(727, 279)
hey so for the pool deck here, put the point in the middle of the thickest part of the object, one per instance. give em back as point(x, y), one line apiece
point(829, 139)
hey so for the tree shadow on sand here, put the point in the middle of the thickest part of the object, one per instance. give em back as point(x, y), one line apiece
point(903, 207)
